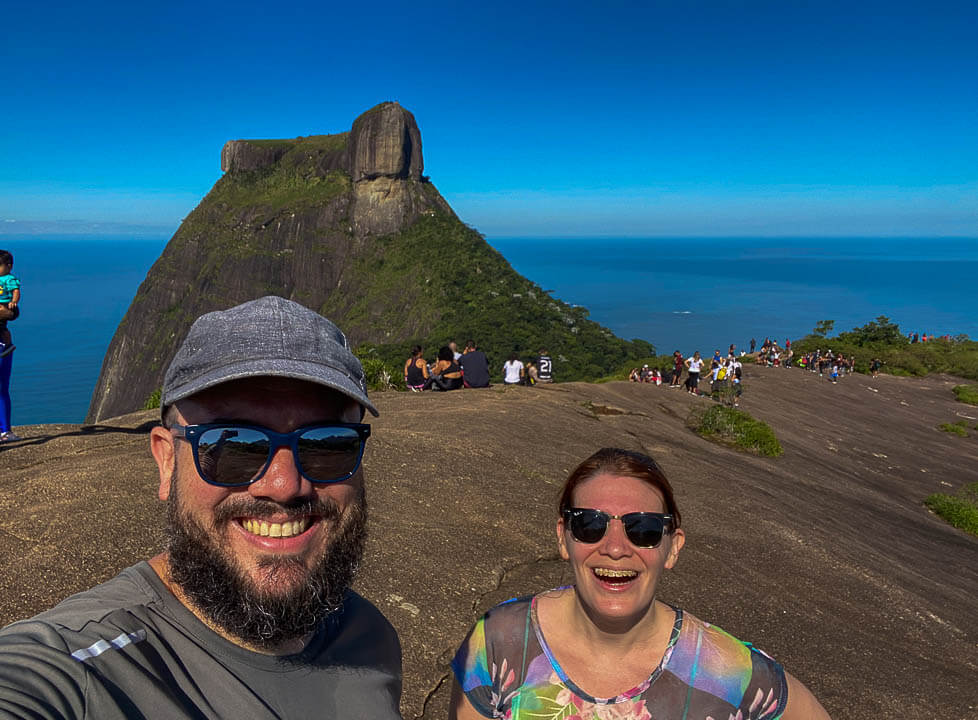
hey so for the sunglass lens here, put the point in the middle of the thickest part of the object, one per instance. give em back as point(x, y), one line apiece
point(232, 455)
point(588, 526)
point(329, 454)
point(643, 530)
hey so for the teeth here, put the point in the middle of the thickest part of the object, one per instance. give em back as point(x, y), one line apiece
point(607, 572)
point(276, 530)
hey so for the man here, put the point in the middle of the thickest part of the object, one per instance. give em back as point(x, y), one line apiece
point(545, 367)
point(454, 348)
point(475, 366)
point(248, 612)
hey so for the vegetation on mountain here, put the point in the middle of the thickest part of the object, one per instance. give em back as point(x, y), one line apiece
point(960, 509)
point(883, 339)
point(735, 428)
point(448, 281)
point(959, 428)
point(966, 393)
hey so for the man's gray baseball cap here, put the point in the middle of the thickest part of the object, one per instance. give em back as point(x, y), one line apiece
point(270, 336)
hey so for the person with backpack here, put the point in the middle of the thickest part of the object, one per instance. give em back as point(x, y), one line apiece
point(737, 382)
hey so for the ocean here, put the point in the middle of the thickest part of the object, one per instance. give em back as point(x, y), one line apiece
point(685, 294)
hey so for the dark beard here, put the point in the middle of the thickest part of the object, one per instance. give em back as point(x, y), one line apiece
point(228, 598)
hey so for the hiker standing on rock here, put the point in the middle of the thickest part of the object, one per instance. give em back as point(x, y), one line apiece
point(677, 368)
point(605, 646)
point(248, 611)
point(9, 310)
point(694, 364)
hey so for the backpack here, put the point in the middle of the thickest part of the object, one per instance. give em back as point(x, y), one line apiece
point(722, 373)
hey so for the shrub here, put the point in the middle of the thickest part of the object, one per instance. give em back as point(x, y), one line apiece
point(957, 428)
point(737, 429)
point(153, 401)
point(378, 374)
point(961, 510)
point(966, 393)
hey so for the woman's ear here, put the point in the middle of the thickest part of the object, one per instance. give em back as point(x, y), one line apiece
point(678, 540)
point(562, 539)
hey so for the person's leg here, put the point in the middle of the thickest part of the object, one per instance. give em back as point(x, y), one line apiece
point(6, 365)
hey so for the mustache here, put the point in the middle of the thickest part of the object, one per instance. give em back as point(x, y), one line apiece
point(235, 507)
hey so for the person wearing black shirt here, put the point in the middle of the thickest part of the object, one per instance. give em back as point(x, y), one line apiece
point(545, 367)
point(475, 366)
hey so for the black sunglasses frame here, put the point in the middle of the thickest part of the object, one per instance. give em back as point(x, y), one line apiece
point(193, 433)
point(666, 524)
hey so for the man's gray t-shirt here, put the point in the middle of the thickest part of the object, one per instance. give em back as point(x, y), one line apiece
point(129, 649)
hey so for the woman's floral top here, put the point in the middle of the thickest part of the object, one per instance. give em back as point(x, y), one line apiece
point(507, 670)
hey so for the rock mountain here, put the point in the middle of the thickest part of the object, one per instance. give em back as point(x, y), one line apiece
point(347, 225)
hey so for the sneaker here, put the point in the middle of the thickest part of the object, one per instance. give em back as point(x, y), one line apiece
point(5, 349)
point(9, 437)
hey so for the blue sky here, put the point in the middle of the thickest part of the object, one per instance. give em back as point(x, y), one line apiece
point(547, 119)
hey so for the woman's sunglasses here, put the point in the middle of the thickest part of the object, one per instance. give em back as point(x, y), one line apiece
point(643, 529)
point(231, 455)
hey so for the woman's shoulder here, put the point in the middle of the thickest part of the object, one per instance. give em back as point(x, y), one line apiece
point(505, 625)
point(706, 653)
point(700, 631)
point(507, 611)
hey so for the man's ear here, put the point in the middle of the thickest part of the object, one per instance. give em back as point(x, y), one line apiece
point(162, 446)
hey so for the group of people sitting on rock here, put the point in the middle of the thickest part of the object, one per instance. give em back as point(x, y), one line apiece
point(646, 375)
point(772, 355)
point(453, 370)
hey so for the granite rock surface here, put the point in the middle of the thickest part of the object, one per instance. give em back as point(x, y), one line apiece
point(826, 557)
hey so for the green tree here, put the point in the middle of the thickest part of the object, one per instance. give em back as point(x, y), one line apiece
point(880, 330)
point(823, 328)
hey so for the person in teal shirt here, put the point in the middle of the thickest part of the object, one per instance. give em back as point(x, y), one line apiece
point(9, 310)
point(9, 300)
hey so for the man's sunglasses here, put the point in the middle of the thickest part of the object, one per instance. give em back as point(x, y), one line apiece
point(231, 455)
point(643, 529)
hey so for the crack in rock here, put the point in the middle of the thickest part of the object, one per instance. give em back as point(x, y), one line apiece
point(430, 694)
point(505, 572)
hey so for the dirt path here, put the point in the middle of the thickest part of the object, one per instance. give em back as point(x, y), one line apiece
point(825, 557)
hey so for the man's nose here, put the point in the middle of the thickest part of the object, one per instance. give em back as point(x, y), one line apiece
point(282, 480)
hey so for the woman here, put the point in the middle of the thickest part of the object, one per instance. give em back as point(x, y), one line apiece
point(512, 371)
point(677, 368)
point(694, 365)
point(445, 374)
point(416, 370)
point(605, 647)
